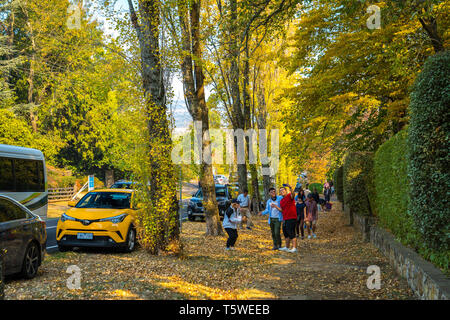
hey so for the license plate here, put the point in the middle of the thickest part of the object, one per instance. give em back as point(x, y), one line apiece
point(85, 236)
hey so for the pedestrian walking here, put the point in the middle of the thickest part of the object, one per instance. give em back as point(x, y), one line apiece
point(245, 202)
point(300, 205)
point(275, 217)
point(316, 197)
point(311, 215)
point(231, 219)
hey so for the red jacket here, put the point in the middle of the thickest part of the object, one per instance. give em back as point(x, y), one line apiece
point(287, 204)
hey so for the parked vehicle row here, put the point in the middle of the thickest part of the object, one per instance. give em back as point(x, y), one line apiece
point(23, 210)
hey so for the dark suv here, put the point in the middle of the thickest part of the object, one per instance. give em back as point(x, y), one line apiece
point(195, 205)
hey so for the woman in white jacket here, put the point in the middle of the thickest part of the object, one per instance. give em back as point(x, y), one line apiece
point(231, 219)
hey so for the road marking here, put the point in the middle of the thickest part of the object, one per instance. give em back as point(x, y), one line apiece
point(52, 227)
point(51, 247)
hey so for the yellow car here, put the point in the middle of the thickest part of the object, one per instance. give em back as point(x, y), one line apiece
point(102, 218)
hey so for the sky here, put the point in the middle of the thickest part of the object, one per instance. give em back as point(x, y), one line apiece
point(180, 113)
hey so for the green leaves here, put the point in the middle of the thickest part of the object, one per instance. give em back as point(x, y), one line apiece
point(429, 137)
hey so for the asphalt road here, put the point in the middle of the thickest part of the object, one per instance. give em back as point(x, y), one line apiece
point(51, 235)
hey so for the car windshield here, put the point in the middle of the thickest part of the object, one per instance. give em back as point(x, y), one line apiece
point(105, 200)
point(221, 192)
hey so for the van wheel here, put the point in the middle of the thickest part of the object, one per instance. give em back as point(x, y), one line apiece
point(30, 263)
point(131, 240)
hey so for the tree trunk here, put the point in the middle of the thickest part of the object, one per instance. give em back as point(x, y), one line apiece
point(430, 26)
point(161, 220)
point(109, 177)
point(262, 125)
point(192, 69)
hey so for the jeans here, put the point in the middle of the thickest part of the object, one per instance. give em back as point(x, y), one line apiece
point(275, 226)
point(232, 237)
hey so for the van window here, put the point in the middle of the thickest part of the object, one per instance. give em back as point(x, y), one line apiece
point(6, 175)
point(29, 178)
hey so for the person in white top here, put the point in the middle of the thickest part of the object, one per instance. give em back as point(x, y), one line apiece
point(245, 202)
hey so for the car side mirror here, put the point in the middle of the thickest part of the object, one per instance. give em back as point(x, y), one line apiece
point(72, 203)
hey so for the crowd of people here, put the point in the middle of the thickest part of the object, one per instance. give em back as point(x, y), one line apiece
point(289, 212)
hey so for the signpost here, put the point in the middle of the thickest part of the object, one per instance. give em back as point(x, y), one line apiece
point(91, 183)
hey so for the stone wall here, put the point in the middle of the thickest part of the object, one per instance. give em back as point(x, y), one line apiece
point(427, 281)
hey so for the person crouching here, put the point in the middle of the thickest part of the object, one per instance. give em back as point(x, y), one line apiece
point(231, 219)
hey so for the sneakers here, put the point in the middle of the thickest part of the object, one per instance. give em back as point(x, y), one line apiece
point(292, 250)
point(249, 228)
point(275, 248)
point(283, 249)
point(227, 249)
point(314, 235)
point(309, 236)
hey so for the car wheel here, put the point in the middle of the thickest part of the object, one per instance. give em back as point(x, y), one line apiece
point(190, 216)
point(30, 263)
point(131, 240)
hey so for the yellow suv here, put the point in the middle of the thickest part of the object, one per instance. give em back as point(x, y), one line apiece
point(102, 218)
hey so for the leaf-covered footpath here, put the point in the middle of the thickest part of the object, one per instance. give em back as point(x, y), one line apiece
point(333, 266)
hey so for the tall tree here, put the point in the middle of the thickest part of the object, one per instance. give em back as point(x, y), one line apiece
point(194, 90)
point(160, 223)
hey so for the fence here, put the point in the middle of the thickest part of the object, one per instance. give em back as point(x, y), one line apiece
point(56, 194)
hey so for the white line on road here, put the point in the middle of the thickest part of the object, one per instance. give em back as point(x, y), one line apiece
point(51, 247)
point(52, 227)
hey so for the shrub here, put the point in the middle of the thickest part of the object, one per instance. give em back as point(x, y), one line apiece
point(392, 188)
point(357, 166)
point(338, 183)
point(429, 157)
point(317, 186)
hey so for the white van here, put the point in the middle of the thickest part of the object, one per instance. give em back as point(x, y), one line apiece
point(23, 177)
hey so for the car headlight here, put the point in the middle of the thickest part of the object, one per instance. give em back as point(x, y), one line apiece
point(65, 217)
point(116, 219)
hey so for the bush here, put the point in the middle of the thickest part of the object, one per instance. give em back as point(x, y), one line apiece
point(392, 189)
point(356, 169)
point(317, 186)
point(338, 183)
point(429, 157)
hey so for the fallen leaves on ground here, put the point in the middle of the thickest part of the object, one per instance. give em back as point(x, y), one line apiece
point(333, 266)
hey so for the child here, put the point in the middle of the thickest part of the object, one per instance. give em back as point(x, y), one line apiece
point(311, 215)
point(231, 219)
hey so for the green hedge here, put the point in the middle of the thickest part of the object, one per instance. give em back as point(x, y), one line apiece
point(429, 157)
point(338, 183)
point(393, 190)
point(317, 186)
point(356, 172)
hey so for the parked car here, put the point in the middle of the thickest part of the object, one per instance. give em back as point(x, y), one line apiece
point(123, 184)
point(23, 235)
point(102, 218)
point(195, 206)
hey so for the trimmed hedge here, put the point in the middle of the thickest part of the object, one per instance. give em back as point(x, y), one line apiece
point(317, 186)
point(356, 173)
point(392, 189)
point(338, 183)
point(429, 157)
